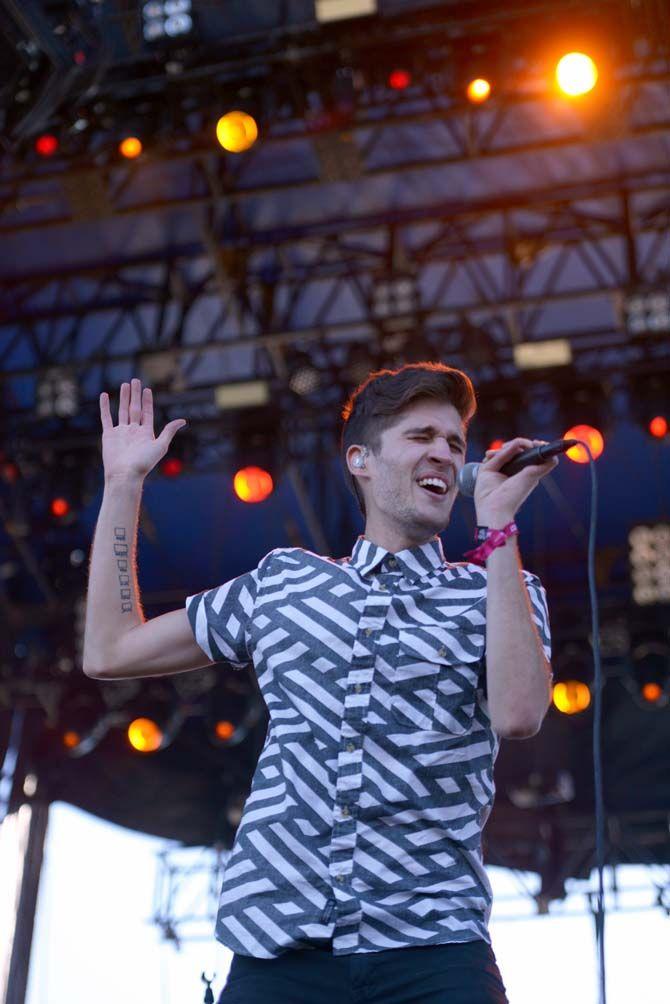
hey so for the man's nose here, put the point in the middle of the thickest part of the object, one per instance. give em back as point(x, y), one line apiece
point(440, 453)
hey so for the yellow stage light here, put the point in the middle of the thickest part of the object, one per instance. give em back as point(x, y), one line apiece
point(576, 74)
point(144, 735)
point(478, 90)
point(592, 437)
point(253, 484)
point(571, 696)
point(236, 131)
point(130, 147)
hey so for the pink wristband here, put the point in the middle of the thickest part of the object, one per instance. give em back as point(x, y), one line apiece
point(494, 538)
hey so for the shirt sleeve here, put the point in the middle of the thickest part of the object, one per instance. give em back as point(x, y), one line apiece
point(220, 618)
point(539, 610)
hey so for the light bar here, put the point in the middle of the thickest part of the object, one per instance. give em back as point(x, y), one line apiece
point(246, 394)
point(649, 556)
point(542, 355)
point(339, 10)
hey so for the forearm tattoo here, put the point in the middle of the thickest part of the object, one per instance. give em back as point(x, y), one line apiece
point(121, 553)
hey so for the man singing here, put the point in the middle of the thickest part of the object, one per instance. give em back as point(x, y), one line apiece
point(389, 676)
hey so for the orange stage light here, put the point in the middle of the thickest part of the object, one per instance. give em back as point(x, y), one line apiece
point(658, 426)
point(130, 147)
point(496, 444)
point(236, 131)
point(576, 74)
point(59, 507)
point(478, 90)
point(71, 739)
point(224, 730)
point(46, 145)
point(591, 436)
point(144, 735)
point(652, 692)
point(253, 484)
point(571, 697)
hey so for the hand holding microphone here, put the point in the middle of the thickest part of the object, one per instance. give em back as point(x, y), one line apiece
point(497, 493)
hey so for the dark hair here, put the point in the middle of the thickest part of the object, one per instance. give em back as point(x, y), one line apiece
point(379, 401)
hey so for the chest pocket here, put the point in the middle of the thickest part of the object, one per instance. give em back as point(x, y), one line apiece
point(435, 681)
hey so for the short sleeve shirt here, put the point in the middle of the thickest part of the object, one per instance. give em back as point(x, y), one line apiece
point(363, 825)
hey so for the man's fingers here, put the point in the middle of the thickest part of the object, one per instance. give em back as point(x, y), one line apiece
point(105, 412)
point(124, 400)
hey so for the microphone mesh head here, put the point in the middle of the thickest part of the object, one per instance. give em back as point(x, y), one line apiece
point(467, 476)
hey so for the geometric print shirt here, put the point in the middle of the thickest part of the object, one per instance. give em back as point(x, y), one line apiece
point(362, 829)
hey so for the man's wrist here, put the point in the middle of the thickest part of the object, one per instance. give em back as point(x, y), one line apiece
point(493, 521)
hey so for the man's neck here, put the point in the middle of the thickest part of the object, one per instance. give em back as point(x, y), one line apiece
point(394, 542)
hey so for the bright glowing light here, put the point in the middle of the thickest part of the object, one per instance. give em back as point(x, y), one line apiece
point(478, 90)
point(652, 692)
point(571, 696)
point(496, 444)
point(71, 739)
point(144, 735)
point(253, 484)
point(399, 80)
point(130, 147)
point(59, 507)
point(236, 131)
point(576, 74)
point(658, 426)
point(224, 730)
point(593, 439)
point(46, 145)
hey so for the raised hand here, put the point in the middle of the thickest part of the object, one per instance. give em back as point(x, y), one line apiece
point(129, 449)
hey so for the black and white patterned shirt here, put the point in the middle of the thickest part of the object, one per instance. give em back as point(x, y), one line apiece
point(365, 815)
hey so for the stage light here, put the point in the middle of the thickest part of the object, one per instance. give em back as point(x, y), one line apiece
point(71, 739)
point(253, 484)
point(658, 427)
point(144, 735)
point(571, 696)
point(59, 507)
point(649, 560)
point(399, 80)
point(496, 444)
point(650, 663)
point(172, 467)
point(652, 692)
point(236, 131)
point(593, 438)
point(224, 730)
point(478, 90)
point(576, 74)
point(46, 145)
point(130, 147)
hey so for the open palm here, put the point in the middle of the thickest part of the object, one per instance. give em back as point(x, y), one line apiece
point(130, 448)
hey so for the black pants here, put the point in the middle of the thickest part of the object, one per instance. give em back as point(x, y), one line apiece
point(465, 973)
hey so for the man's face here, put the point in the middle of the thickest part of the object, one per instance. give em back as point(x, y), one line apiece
point(427, 441)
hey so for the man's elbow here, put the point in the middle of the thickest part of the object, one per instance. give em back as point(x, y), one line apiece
point(523, 724)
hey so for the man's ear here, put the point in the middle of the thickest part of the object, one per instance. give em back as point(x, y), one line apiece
point(356, 457)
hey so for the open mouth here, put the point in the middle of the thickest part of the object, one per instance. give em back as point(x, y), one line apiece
point(436, 486)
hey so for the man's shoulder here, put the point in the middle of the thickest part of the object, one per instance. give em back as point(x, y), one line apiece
point(298, 557)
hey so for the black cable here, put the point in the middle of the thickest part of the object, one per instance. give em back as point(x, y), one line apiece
point(597, 723)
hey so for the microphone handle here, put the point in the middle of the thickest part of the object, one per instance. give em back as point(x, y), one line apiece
point(536, 456)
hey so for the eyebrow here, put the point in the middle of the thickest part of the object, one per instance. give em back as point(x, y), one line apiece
point(430, 430)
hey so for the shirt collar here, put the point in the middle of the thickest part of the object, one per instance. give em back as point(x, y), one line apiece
point(413, 562)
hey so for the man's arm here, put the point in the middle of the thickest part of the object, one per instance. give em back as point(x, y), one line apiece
point(118, 642)
point(518, 674)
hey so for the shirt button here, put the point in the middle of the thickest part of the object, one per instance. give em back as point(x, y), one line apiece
point(368, 631)
point(358, 687)
point(442, 652)
point(345, 810)
point(393, 563)
point(383, 587)
point(350, 747)
point(339, 878)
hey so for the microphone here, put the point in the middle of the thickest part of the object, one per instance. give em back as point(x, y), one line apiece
point(467, 476)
